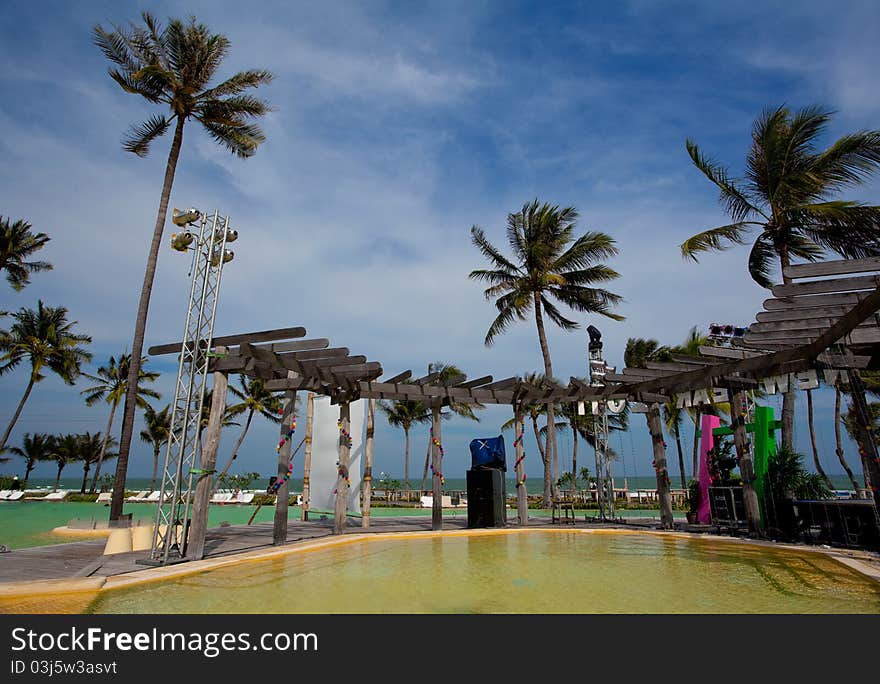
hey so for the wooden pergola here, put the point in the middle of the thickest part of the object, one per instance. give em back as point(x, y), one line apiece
point(828, 319)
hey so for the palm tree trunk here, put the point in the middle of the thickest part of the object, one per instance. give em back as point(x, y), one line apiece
point(839, 449)
point(104, 445)
point(680, 459)
point(551, 421)
point(406, 460)
point(86, 468)
point(574, 460)
point(813, 440)
point(156, 450)
point(425, 469)
point(787, 397)
point(696, 450)
point(58, 477)
point(140, 327)
point(548, 494)
point(9, 427)
point(228, 465)
point(29, 466)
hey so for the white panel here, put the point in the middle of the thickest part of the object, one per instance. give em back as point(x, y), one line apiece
point(325, 455)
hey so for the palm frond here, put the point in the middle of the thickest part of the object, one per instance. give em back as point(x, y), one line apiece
point(478, 238)
point(586, 250)
point(715, 239)
point(762, 260)
point(140, 137)
point(734, 199)
point(850, 160)
point(238, 83)
point(241, 141)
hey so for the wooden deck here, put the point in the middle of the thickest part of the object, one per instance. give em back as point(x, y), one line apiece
point(85, 558)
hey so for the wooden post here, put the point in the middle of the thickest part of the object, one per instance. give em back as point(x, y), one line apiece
point(307, 462)
point(437, 463)
point(368, 463)
point(746, 463)
point(282, 496)
point(207, 461)
point(339, 513)
point(522, 501)
point(655, 425)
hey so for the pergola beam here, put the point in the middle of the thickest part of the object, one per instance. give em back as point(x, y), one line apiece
point(230, 340)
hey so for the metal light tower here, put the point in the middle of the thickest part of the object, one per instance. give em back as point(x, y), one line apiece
point(604, 475)
point(206, 236)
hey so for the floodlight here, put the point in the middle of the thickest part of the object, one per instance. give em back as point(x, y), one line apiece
point(182, 218)
point(180, 242)
point(228, 255)
point(595, 338)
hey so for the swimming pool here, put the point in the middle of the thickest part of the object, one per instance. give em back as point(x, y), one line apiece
point(518, 572)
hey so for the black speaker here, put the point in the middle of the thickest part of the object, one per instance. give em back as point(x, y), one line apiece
point(485, 494)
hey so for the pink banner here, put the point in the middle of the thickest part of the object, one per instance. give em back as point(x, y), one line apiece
point(707, 441)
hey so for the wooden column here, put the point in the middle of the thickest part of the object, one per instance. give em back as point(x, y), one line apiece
point(368, 463)
point(282, 496)
point(655, 425)
point(307, 459)
point(339, 513)
point(746, 463)
point(207, 463)
point(522, 501)
point(437, 463)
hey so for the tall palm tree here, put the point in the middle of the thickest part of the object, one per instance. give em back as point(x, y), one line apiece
point(34, 448)
point(549, 263)
point(786, 197)
point(17, 243)
point(838, 442)
point(173, 66)
point(90, 449)
point(255, 398)
point(157, 430)
point(111, 383)
point(446, 372)
point(65, 450)
point(672, 417)
point(46, 339)
point(691, 347)
point(404, 413)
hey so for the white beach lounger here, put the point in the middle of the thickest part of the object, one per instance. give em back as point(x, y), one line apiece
point(4, 493)
point(220, 497)
point(56, 496)
point(140, 496)
point(153, 497)
point(427, 501)
point(15, 496)
point(245, 497)
point(104, 497)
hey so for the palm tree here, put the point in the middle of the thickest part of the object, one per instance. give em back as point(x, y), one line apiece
point(786, 195)
point(838, 442)
point(446, 372)
point(17, 243)
point(111, 382)
point(816, 461)
point(90, 449)
point(255, 399)
point(548, 264)
point(404, 413)
point(46, 339)
point(691, 347)
point(173, 66)
point(535, 410)
point(65, 450)
point(34, 448)
point(672, 416)
point(156, 432)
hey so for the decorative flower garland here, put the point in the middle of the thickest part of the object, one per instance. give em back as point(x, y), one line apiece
point(516, 443)
point(436, 443)
point(281, 481)
point(344, 436)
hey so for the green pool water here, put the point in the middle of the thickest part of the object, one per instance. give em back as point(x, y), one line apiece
point(534, 572)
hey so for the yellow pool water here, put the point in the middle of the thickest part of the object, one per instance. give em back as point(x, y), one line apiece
point(535, 572)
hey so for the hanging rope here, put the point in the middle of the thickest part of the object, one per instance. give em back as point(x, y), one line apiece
point(516, 443)
point(436, 443)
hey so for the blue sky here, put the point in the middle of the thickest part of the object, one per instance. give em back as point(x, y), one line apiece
point(395, 128)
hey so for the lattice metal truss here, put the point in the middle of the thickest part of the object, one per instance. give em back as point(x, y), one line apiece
point(604, 474)
point(206, 236)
